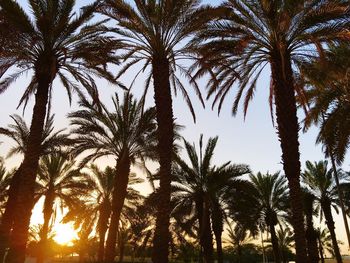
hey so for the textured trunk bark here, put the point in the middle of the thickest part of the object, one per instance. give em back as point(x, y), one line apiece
point(28, 168)
point(105, 213)
point(274, 241)
point(163, 101)
point(48, 204)
point(218, 240)
point(7, 218)
point(206, 235)
point(119, 194)
point(288, 129)
point(326, 207)
point(311, 239)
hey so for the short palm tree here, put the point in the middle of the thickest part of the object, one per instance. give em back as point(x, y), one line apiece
point(311, 233)
point(102, 185)
point(153, 34)
point(285, 242)
point(238, 238)
point(267, 202)
point(126, 134)
point(253, 34)
point(19, 132)
point(52, 42)
point(320, 182)
point(58, 181)
point(198, 190)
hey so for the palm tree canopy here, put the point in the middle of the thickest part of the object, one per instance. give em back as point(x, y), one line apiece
point(158, 29)
point(320, 182)
point(239, 46)
point(126, 130)
point(58, 176)
point(328, 95)
point(19, 133)
point(57, 42)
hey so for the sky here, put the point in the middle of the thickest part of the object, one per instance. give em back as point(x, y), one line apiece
point(251, 141)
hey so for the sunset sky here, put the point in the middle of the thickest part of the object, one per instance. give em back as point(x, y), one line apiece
point(252, 141)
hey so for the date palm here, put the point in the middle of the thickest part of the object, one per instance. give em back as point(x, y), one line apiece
point(320, 182)
point(58, 181)
point(126, 134)
point(18, 132)
point(198, 190)
point(5, 179)
point(154, 33)
point(102, 184)
point(254, 34)
point(52, 43)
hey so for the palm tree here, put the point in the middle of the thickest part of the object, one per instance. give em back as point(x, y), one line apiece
point(328, 95)
point(154, 33)
point(198, 191)
point(285, 242)
point(311, 233)
point(19, 132)
point(53, 43)
point(320, 182)
point(58, 180)
point(325, 243)
point(127, 134)
point(103, 182)
point(238, 238)
point(253, 34)
point(267, 201)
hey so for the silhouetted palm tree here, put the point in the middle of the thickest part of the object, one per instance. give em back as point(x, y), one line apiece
point(54, 42)
point(19, 132)
point(198, 190)
point(5, 179)
point(320, 182)
point(127, 134)
point(58, 181)
point(154, 33)
point(253, 34)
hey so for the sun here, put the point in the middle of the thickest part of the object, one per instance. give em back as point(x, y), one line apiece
point(65, 234)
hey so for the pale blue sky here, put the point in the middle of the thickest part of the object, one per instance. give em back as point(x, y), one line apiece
point(253, 141)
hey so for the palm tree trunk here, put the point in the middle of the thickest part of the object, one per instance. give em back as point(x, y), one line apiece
point(163, 101)
point(288, 132)
point(28, 168)
point(206, 237)
point(320, 246)
point(119, 194)
point(326, 207)
point(311, 241)
point(274, 241)
point(48, 204)
point(341, 196)
point(102, 229)
point(7, 217)
point(218, 240)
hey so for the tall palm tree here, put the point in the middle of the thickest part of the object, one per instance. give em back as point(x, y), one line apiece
point(53, 43)
point(19, 132)
point(198, 190)
point(253, 34)
point(127, 134)
point(320, 182)
point(328, 96)
point(154, 33)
